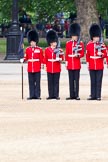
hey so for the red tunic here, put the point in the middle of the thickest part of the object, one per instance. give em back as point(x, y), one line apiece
point(95, 61)
point(34, 56)
point(52, 65)
point(72, 62)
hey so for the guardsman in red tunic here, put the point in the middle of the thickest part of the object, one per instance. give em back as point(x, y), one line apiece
point(95, 54)
point(53, 58)
point(74, 52)
point(34, 57)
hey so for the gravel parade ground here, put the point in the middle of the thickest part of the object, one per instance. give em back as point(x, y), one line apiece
point(51, 130)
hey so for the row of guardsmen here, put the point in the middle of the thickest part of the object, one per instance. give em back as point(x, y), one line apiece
point(53, 55)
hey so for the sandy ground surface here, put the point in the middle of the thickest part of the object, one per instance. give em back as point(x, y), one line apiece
point(51, 131)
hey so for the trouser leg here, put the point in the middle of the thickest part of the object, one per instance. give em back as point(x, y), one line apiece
point(37, 76)
point(76, 82)
point(31, 85)
point(71, 83)
point(93, 83)
point(50, 78)
point(99, 76)
point(56, 84)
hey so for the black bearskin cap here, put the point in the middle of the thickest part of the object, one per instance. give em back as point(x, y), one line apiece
point(33, 36)
point(74, 30)
point(95, 31)
point(51, 37)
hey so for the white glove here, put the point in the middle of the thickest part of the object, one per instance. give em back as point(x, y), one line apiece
point(100, 53)
point(21, 60)
point(58, 59)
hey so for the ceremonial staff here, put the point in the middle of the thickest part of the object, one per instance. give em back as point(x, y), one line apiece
point(21, 55)
point(22, 80)
point(22, 87)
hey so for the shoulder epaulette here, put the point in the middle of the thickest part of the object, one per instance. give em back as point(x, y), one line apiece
point(28, 47)
point(89, 42)
point(39, 47)
point(68, 41)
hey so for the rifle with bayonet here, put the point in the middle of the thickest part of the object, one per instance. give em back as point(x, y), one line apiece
point(77, 48)
point(100, 47)
point(58, 52)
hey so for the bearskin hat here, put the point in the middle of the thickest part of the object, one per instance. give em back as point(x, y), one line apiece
point(95, 31)
point(74, 30)
point(33, 36)
point(51, 37)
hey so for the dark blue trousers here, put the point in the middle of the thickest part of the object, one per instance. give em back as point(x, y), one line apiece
point(74, 76)
point(96, 83)
point(34, 84)
point(53, 84)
